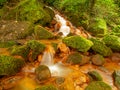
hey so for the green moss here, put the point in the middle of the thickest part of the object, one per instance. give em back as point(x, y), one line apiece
point(21, 51)
point(100, 47)
point(116, 76)
point(26, 10)
point(47, 87)
point(36, 48)
point(7, 44)
point(54, 45)
point(98, 59)
point(112, 41)
point(95, 76)
point(78, 42)
point(74, 58)
point(98, 85)
point(10, 65)
point(42, 72)
point(116, 29)
point(42, 33)
point(97, 26)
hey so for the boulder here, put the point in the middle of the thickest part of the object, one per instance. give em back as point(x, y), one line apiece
point(98, 59)
point(98, 85)
point(42, 73)
point(78, 42)
point(100, 47)
point(116, 77)
point(10, 65)
point(42, 33)
point(77, 58)
point(97, 27)
point(95, 76)
point(112, 41)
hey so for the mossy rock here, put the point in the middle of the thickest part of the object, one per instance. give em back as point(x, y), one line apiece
point(100, 47)
point(26, 10)
point(42, 33)
point(112, 41)
point(98, 59)
point(10, 65)
point(42, 72)
point(47, 87)
point(78, 42)
point(7, 44)
point(98, 26)
point(77, 58)
point(20, 51)
point(95, 76)
point(116, 76)
point(98, 85)
point(36, 48)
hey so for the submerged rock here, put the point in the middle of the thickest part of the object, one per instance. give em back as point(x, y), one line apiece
point(47, 87)
point(100, 47)
point(98, 85)
point(98, 59)
point(116, 76)
point(42, 33)
point(10, 65)
point(78, 42)
point(95, 76)
point(77, 58)
point(42, 73)
point(98, 27)
point(112, 41)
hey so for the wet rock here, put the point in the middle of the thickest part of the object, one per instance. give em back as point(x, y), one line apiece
point(13, 30)
point(98, 27)
point(98, 59)
point(78, 42)
point(47, 87)
point(112, 41)
point(115, 57)
point(42, 73)
point(59, 80)
point(10, 65)
point(20, 51)
point(36, 48)
point(100, 47)
point(98, 85)
point(95, 76)
point(77, 58)
point(116, 76)
point(42, 33)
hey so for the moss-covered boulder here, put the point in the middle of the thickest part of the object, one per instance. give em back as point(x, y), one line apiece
point(7, 44)
point(26, 10)
point(36, 48)
point(78, 42)
point(98, 85)
point(14, 30)
point(47, 87)
point(42, 72)
point(98, 27)
point(42, 33)
point(112, 41)
point(77, 58)
point(10, 65)
point(100, 47)
point(95, 76)
point(116, 76)
point(98, 59)
point(20, 51)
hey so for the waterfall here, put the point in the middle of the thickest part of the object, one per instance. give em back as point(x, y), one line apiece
point(48, 55)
